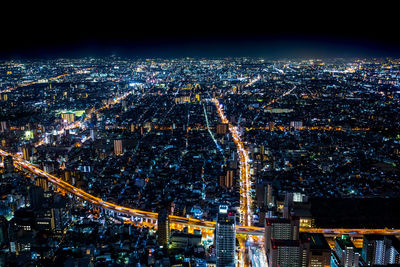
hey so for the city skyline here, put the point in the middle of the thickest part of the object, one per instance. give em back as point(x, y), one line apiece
point(214, 135)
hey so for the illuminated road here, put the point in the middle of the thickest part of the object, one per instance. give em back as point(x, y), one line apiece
point(283, 95)
point(251, 82)
point(29, 83)
point(256, 252)
point(36, 82)
point(177, 220)
point(245, 184)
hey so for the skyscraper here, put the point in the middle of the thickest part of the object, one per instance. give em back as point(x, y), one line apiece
point(282, 244)
point(163, 230)
point(225, 237)
point(27, 152)
point(282, 229)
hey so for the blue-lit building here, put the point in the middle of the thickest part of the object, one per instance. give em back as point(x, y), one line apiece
point(380, 250)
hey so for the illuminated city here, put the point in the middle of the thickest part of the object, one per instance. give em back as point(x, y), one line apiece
point(187, 149)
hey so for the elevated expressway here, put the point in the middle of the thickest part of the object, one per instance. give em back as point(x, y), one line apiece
point(139, 217)
point(147, 218)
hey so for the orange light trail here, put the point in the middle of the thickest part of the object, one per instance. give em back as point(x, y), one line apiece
point(245, 186)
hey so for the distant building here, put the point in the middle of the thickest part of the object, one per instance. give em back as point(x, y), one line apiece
point(3, 230)
point(225, 237)
point(222, 128)
point(118, 147)
point(227, 181)
point(27, 152)
point(296, 125)
point(93, 134)
point(8, 163)
point(3, 126)
point(68, 117)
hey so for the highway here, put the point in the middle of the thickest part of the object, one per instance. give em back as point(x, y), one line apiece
point(245, 183)
point(210, 225)
point(29, 83)
point(98, 202)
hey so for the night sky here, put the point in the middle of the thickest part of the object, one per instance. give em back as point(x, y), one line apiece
point(200, 31)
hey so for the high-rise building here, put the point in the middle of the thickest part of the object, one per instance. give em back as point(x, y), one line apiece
point(118, 147)
point(227, 181)
point(380, 250)
point(36, 197)
point(27, 152)
point(319, 254)
point(163, 230)
point(225, 237)
point(285, 253)
point(282, 244)
point(281, 229)
point(68, 117)
point(93, 134)
point(269, 195)
point(222, 128)
point(3, 230)
point(3, 126)
point(8, 163)
point(296, 125)
point(345, 253)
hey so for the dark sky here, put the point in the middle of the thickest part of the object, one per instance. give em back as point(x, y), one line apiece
point(200, 30)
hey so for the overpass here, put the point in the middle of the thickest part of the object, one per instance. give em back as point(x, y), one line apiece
point(148, 218)
point(140, 217)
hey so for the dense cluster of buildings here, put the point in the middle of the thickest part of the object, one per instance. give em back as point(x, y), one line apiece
point(146, 134)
